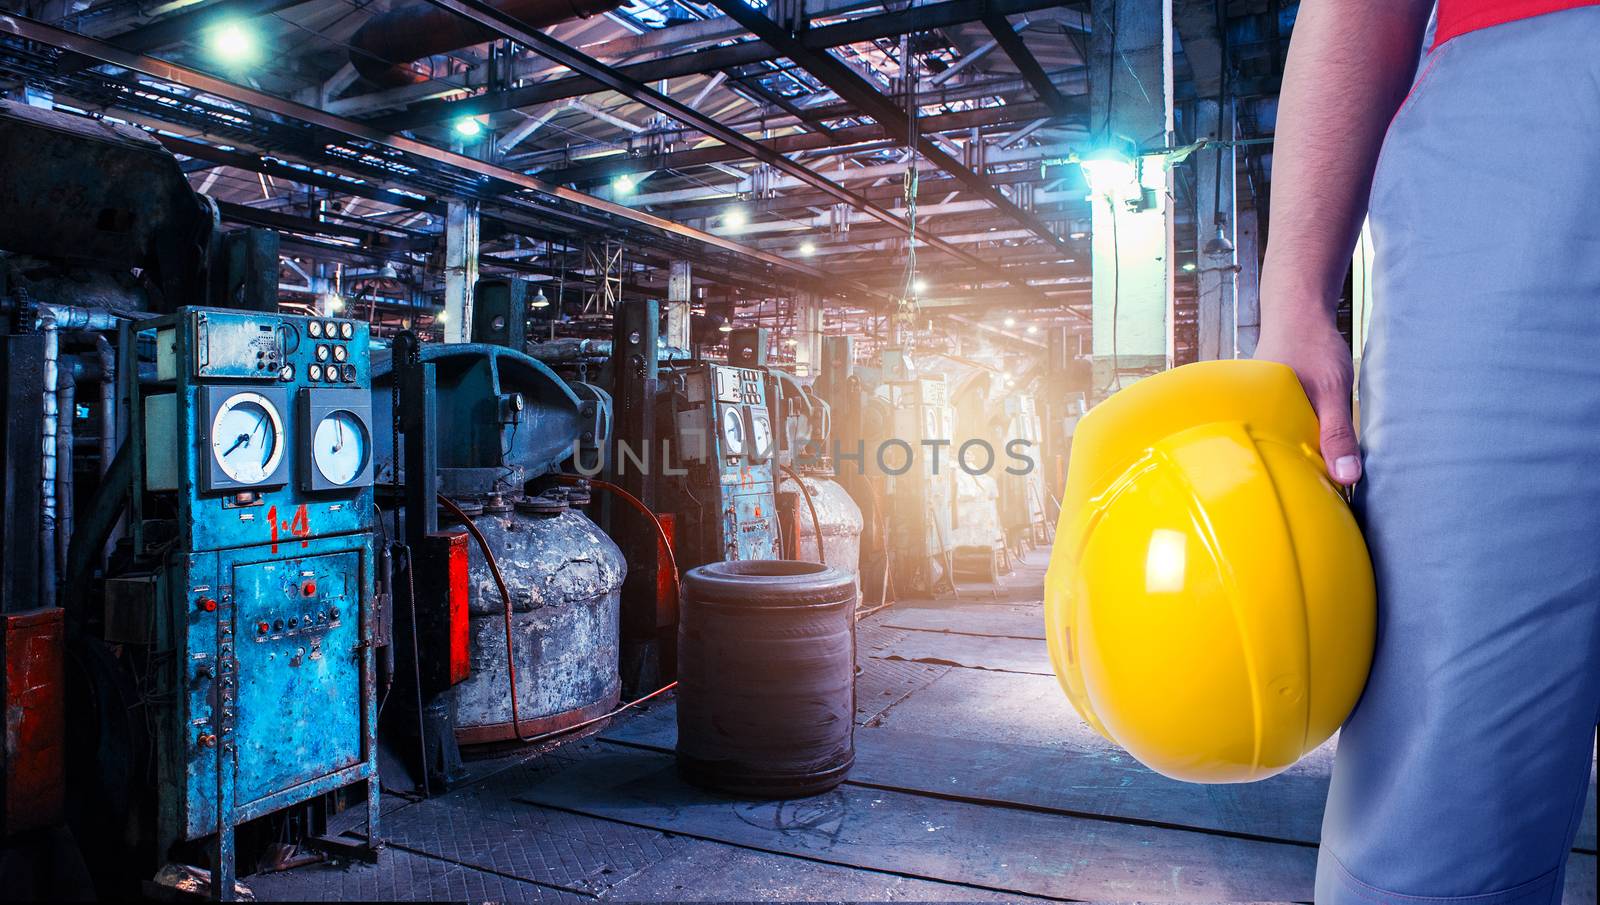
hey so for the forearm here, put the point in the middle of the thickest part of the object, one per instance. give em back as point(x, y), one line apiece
point(1349, 69)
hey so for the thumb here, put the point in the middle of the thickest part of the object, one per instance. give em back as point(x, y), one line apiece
point(1338, 437)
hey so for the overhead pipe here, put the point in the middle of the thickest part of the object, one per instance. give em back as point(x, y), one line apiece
point(47, 481)
point(66, 409)
point(384, 47)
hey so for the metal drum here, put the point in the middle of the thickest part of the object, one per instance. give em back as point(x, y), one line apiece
point(766, 677)
point(565, 578)
point(840, 518)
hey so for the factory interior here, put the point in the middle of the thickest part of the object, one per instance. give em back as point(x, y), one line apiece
point(603, 450)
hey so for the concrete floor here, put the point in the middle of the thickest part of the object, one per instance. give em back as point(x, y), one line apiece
point(974, 781)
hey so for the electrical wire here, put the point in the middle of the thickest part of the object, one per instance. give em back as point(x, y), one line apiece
point(822, 555)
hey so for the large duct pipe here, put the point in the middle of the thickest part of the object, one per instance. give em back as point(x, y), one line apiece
point(382, 49)
point(47, 482)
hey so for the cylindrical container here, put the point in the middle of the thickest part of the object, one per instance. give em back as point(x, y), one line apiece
point(766, 677)
point(565, 578)
point(840, 518)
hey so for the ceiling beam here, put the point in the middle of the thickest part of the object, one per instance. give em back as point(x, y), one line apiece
point(851, 87)
point(505, 25)
point(477, 171)
point(1027, 64)
point(944, 14)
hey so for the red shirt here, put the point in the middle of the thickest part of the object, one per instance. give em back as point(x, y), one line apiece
point(1457, 17)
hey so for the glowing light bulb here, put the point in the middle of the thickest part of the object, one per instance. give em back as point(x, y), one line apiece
point(441, 317)
point(808, 248)
point(624, 184)
point(233, 43)
point(735, 218)
point(1011, 322)
point(469, 127)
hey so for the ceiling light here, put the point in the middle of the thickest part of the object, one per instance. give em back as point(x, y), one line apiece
point(1219, 245)
point(1078, 235)
point(735, 218)
point(1033, 329)
point(1011, 322)
point(469, 127)
point(726, 327)
point(919, 286)
point(540, 300)
point(441, 317)
point(1188, 267)
point(624, 184)
point(808, 248)
point(233, 43)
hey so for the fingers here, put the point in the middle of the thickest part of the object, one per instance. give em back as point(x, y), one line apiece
point(1338, 437)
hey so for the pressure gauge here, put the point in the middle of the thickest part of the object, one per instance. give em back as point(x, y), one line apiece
point(348, 373)
point(246, 438)
point(335, 445)
point(340, 447)
point(732, 432)
point(322, 352)
point(331, 329)
point(314, 372)
point(340, 353)
point(347, 330)
point(315, 329)
point(760, 433)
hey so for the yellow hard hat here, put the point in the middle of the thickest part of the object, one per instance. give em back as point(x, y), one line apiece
point(1209, 603)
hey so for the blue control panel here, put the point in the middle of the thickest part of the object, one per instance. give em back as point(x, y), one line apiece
point(257, 433)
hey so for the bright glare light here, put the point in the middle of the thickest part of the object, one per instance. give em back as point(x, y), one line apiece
point(1165, 562)
point(1011, 322)
point(808, 248)
point(1078, 235)
point(735, 218)
point(1188, 267)
point(624, 184)
point(1033, 329)
point(469, 127)
point(233, 43)
point(1111, 172)
point(919, 285)
point(441, 317)
point(334, 302)
point(791, 341)
point(726, 327)
point(541, 300)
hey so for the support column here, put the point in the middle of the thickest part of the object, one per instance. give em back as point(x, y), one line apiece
point(1130, 64)
point(680, 309)
point(1247, 311)
point(1218, 260)
point(808, 333)
point(460, 269)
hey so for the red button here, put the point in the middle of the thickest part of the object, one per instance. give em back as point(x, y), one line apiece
point(262, 627)
point(207, 604)
point(309, 589)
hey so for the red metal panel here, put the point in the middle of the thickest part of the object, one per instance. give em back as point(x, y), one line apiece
point(456, 594)
point(34, 701)
point(666, 585)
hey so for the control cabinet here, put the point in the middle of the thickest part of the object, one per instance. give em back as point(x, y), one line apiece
point(257, 435)
point(727, 439)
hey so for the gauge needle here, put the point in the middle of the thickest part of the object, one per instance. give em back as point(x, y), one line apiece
point(244, 440)
point(338, 444)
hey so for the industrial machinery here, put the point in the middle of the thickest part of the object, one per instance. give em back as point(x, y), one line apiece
point(191, 582)
point(514, 594)
point(254, 610)
point(728, 442)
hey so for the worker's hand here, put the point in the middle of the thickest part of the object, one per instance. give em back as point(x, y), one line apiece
point(1321, 359)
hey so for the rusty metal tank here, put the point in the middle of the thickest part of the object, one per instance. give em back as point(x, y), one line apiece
point(565, 578)
point(838, 514)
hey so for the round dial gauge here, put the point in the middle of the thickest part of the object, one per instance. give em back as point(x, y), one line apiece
point(347, 330)
point(247, 438)
point(315, 329)
point(314, 372)
point(760, 434)
point(331, 328)
point(322, 352)
point(340, 353)
point(732, 432)
point(340, 447)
